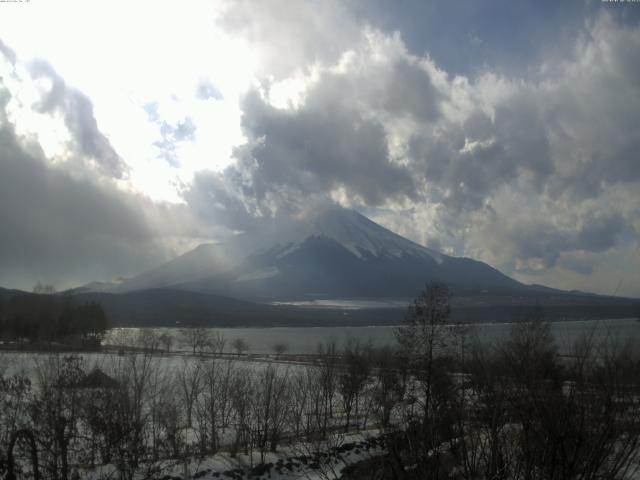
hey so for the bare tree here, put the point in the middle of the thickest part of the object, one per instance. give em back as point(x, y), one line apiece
point(327, 367)
point(190, 381)
point(241, 395)
point(353, 377)
point(299, 406)
point(162, 393)
point(531, 415)
point(166, 340)
point(389, 387)
point(129, 416)
point(214, 402)
point(16, 399)
point(279, 348)
point(423, 340)
point(215, 342)
point(33, 450)
point(240, 346)
point(323, 454)
point(195, 338)
point(149, 339)
point(270, 406)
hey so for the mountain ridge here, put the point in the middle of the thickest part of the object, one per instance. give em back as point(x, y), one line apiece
point(335, 253)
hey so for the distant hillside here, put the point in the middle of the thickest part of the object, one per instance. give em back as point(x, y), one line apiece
point(170, 307)
point(176, 308)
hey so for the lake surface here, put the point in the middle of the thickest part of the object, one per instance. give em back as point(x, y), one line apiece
point(306, 339)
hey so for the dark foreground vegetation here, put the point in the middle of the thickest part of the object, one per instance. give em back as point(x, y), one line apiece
point(514, 410)
point(40, 320)
point(436, 406)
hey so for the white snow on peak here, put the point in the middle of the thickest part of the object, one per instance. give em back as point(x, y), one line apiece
point(358, 234)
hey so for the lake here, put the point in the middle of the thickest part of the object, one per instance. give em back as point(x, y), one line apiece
point(306, 339)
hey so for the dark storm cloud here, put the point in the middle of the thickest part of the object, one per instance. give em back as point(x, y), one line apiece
point(582, 265)
point(66, 221)
point(57, 228)
point(323, 146)
point(77, 111)
point(466, 164)
point(336, 143)
point(594, 115)
point(533, 239)
point(598, 232)
point(217, 199)
point(409, 90)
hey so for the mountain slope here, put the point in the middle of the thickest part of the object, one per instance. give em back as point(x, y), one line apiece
point(340, 254)
point(337, 253)
point(169, 307)
point(205, 260)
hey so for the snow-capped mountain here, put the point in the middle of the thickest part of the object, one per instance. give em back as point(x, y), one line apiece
point(337, 253)
point(363, 237)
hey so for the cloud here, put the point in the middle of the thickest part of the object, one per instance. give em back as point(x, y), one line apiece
point(287, 37)
point(67, 230)
point(573, 195)
point(538, 241)
point(416, 132)
point(468, 162)
point(7, 52)
point(72, 218)
point(172, 134)
point(206, 90)
point(77, 111)
point(336, 144)
point(326, 146)
point(217, 199)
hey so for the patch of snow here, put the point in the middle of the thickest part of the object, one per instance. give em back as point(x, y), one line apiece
point(290, 249)
point(259, 274)
point(348, 304)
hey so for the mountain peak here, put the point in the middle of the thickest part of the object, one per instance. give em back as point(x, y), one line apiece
point(362, 236)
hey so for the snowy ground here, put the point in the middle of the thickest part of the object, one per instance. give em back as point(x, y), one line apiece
point(292, 462)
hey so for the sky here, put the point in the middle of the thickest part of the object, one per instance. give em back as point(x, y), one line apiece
point(508, 132)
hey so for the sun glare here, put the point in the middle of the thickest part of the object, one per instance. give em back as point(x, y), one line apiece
point(153, 54)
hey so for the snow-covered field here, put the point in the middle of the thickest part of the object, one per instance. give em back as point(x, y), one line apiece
point(298, 461)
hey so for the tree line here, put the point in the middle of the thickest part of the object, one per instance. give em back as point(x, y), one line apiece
point(48, 317)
